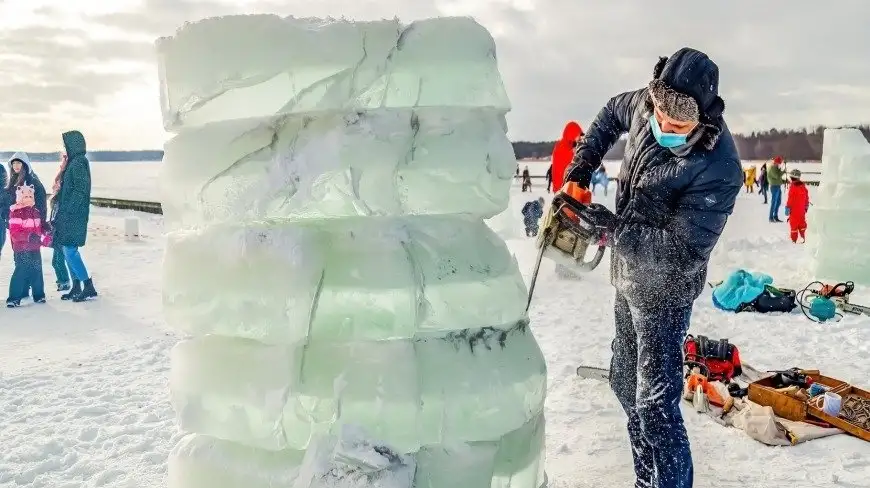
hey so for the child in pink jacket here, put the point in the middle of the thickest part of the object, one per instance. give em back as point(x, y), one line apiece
point(25, 232)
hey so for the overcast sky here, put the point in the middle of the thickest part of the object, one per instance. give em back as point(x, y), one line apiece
point(90, 64)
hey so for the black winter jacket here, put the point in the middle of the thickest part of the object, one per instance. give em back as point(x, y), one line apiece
point(30, 178)
point(671, 208)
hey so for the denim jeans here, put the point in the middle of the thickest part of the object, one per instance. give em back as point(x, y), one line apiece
point(58, 262)
point(27, 276)
point(775, 201)
point(2, 236)
point(75, 263)
point(646, 374)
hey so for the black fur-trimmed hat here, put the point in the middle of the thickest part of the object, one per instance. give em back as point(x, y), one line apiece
point(686, 87)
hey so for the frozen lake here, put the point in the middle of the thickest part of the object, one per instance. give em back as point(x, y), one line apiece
point(135, 180)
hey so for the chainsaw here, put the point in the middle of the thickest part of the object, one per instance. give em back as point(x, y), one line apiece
point(839, 294)
point(568, 232)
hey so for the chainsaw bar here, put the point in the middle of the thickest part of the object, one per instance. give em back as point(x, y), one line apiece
point(843, 304)
point(545, 239)
point(749, 375)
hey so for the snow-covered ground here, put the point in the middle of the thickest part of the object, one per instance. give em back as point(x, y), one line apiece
point(84, 399)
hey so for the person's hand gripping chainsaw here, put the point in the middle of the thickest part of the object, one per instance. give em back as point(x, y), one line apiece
point(596, 214)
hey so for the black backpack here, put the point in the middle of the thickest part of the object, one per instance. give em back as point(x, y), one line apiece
point(772, 299)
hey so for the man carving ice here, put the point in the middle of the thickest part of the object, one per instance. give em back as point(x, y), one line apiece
point(680, 177)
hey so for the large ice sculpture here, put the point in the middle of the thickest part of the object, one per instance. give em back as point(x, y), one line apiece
point(327, 257)
point(839, 222)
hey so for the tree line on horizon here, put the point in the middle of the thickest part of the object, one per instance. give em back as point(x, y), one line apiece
point(791, 144)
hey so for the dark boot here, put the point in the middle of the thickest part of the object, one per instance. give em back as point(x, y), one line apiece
point(74, 292)
point(87, 293)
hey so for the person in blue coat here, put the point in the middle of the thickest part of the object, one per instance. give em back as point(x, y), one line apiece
point(532, 213)
point(680, 177)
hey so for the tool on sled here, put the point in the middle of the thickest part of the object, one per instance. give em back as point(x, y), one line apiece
point(717, 360)
point(568, 232)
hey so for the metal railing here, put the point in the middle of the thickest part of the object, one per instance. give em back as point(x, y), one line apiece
point(137, 205)
point(156, 208)
point(813, 182)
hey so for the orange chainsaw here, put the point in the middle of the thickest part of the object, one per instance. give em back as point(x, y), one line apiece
point(568, 233)
point(839, 294)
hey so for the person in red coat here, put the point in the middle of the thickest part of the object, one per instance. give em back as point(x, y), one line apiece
point(796, 206)
point(25, 232)
point(563, 153)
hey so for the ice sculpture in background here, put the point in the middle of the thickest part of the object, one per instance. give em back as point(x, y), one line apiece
point(350, 318)
point(839, 222)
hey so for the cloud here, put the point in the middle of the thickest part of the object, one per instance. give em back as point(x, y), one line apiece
point(782, 63)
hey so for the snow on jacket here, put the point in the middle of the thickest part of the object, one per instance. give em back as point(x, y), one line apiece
point(25, 228)
point(532, 212)
point(775, 175)
point(563, 153)
point(798, 201)
point(30, 178)
point(72, 208)
point(672, 204)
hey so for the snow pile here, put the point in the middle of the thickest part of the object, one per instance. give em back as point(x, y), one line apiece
point(838, 223)
point(325, 197)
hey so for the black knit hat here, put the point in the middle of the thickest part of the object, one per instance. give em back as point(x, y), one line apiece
point(686, 86)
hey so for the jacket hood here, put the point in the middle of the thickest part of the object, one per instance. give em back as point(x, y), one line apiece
point(571, 131)
point(74, 144)
point(24, 158)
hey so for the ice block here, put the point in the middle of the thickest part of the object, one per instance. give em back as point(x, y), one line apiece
point(348, 317)
point(839, 220)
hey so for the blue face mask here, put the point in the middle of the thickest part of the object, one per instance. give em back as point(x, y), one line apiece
point(666, 139)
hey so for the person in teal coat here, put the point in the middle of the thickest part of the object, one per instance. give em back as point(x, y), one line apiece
point(71, 212)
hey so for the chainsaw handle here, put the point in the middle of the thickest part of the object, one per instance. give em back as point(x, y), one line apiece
point(595, 261)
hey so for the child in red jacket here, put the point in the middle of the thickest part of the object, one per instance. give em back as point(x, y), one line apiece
point(25, 232)
point(796, 206)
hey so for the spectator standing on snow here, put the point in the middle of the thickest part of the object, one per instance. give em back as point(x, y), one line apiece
point(532, 213)
point(25, 233)
point(527, 179)
point(599, 177)
point(21, 173)
point(71, 213)
point(796, 206)
point(58, 262)
point(681, 175)
point(763, 185)
point(563, 152)
point(4, 208)
point(750, 179)
point(775, 178)
point(549, 176)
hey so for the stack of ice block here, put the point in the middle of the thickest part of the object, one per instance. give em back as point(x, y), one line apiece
point(839, 222)
point(327, 257)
